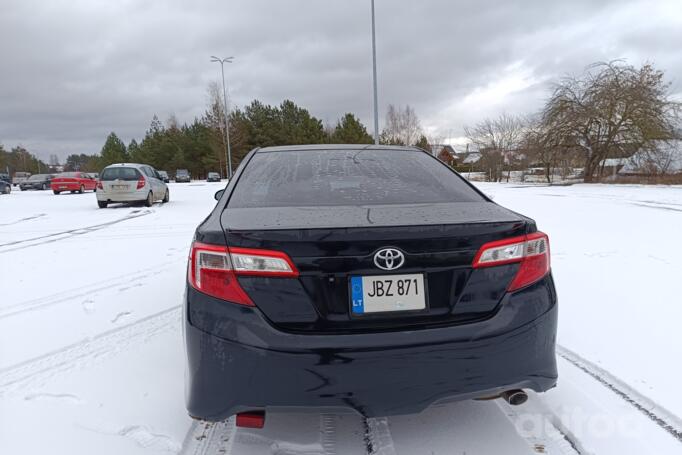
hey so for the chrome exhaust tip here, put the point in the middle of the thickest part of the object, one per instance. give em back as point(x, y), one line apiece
point(515, 397)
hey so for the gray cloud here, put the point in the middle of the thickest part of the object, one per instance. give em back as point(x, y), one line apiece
point(72, 71)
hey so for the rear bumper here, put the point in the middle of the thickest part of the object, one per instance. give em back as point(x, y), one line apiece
point(242, 362)
point(132, 196)
point(65, 186)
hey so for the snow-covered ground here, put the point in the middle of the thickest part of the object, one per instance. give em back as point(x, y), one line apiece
point(91, 354)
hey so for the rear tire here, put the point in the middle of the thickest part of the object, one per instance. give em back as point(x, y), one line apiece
point(56, 192)
point(149, 201)
point(44, 187)
point(166, 198)
point(102, 204)
point(81, 190)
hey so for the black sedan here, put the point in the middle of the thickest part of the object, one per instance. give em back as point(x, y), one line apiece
point(37, 182)
point(374, 278)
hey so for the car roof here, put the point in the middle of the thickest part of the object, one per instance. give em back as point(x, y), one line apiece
point(136, 165)
point(319, 147)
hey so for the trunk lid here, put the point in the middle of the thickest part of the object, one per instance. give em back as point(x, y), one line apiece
point(330, 244)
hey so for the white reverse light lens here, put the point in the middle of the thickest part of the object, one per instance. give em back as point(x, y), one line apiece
point(502, 253)
point(248, 263)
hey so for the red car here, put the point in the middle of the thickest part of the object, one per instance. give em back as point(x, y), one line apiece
point(74, 182)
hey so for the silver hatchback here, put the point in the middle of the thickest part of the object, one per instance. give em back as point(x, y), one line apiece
point(131, 182)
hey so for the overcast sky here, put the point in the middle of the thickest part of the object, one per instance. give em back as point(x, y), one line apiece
point(72, 71)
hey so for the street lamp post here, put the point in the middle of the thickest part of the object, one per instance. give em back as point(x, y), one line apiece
point(374, 70)
point(228, 151)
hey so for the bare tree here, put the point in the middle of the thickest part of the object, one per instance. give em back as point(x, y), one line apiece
point(609, 107)
point(657, 158)
point(498, 140)
point(402, 126)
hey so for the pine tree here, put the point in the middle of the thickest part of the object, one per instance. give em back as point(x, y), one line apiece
point(349, 130)
point(113, 151)
point(423, 143)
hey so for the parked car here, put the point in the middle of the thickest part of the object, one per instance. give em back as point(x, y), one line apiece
point(182, 175)
point(74, 182)
point(5, 187)
point(5, 177)
point(164, 176)
point(370, 277)
point(131, 182)
point(20, 177)
point(213, 177)
point(36, 182)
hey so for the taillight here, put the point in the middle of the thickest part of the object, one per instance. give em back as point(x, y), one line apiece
point(531, 251)
point(213, 269)
point(99, 185)
point(140, 183)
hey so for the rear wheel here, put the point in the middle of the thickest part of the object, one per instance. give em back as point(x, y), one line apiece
point(44, 187)
point(166, 198)
point(7, 189)
point(102, 204)
point(81, 190)
point(56, 192)
point(149, 201)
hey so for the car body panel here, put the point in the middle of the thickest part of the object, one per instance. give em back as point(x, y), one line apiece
point(36, 182)
point(73, 181)
point(124, 188)
point(182, 175)
point(375, 374)
point(301, 345)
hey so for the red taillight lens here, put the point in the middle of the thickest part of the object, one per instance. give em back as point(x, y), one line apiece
point(531, 251)
point(140, 183)
point(213, 269)
point(99, 185)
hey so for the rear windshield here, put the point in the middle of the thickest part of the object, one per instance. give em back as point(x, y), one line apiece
point(347, 177)
point(120, 173)
point(38, 177)
point(69, 174)
point(182, 172)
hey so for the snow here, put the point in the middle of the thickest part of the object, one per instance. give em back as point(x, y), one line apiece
point(92, 361)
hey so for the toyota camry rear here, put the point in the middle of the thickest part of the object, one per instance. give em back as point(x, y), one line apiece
point(368, 277)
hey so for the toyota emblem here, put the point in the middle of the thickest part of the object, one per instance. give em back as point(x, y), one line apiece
point(389, 259)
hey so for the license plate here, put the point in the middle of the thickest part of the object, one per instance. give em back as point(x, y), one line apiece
point(381, 293)
point(63, 187)
point(119, 187)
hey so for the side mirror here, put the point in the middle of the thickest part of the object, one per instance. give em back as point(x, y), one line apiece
point(218, 194)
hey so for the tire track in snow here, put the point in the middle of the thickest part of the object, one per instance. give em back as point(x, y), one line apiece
point(28, 218)
point(554, 440)
point(63, 235)
point(378, 439)
point(127, 279)
point(657, 413)
point(38, 370)
point(205, 438)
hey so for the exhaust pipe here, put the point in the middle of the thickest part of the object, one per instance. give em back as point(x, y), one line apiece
point(514, 397)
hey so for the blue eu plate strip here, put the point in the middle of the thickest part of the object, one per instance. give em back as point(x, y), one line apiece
point(357, 295)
